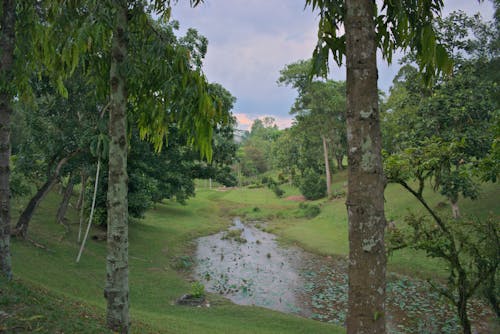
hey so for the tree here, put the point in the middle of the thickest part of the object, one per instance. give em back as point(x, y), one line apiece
point(457, 110)
point(179, 95)
point(56, 135)
point(403, 24)
point(26, 48)
point(469, 247)
point(7, 45)
point(320, 110)
point(255, 154)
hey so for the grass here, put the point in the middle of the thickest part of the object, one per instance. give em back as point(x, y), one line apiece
point(52, 293)
point(327, 233)
point(29, 308)
point(155, 242)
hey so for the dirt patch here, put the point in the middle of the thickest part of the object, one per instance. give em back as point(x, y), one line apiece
point(296, 198)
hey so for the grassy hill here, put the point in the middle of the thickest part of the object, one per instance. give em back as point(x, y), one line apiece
point(158, 244)
point(53, 294)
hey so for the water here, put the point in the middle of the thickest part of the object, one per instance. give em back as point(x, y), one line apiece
point(256, 272)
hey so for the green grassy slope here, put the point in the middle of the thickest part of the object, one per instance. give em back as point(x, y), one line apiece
point(162, 236)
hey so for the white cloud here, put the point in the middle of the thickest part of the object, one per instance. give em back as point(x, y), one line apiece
point(251, 40)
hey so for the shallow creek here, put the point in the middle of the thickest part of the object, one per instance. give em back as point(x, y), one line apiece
point(248, 266)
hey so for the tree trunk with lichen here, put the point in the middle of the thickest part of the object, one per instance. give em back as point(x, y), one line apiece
point(83, 177)
point(116, 290)
point(7, 43)
point(366, 182)
point(63, 207)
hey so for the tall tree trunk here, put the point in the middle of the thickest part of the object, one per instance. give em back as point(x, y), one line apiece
point(327, 168)
point(25, 217)
point(7, 43)
point(365, 199)
point(116, 290)
point(83, 182)
point(92, 208)
point(63, 207)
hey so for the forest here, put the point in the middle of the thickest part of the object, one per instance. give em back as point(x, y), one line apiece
point(124, 173)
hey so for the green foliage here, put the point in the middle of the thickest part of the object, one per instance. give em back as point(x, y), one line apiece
point(19, 184)
point(255, 154)
point(398, 24)
point(197, 290)
point(273, 185)
point(319, 114)
point(312, 185)
point(309, 210)
point(470, 248)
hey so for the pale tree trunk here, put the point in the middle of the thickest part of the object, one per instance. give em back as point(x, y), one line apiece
point(7, 43)
point(81, 203)
point(117, 291)
point(83, 182)
point(365, 199)
point(455, 210)
point(92, 208)
point(25, 217)
point(327, 168)
point(63, 207)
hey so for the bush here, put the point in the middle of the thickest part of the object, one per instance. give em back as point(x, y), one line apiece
point(309, 210)
point(277, 191)
point(312, 185)
point(197, 290)
point(273, 185)
point(340, 193)
point(312, 211)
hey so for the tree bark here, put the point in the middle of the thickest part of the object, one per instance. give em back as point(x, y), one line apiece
point(116, 290)
point(366, 181)
point(63, 207)
point(22, 225)
point(7, 44)
point(327, 168)
point(462, 304)
point(83, 181)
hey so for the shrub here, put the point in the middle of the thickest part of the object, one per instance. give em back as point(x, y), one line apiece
point(312, 185)
point(197, 290)
point(277, 190)
point(312, 211)
point(309, 210)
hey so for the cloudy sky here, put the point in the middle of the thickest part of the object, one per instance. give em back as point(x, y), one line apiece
point(250, 41)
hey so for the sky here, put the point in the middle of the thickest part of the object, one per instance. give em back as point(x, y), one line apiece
point(250, 41)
